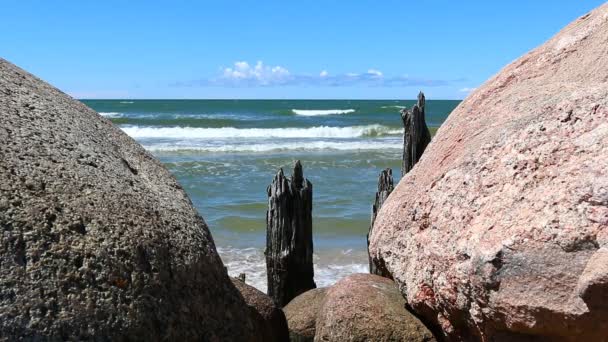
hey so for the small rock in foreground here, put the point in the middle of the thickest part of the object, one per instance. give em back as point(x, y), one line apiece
point(301, 314)
point(360, 307)
point(273, 325)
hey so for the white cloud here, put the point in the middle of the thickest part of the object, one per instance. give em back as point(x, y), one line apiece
point(259, 74)
point(375, 73)
point(243, 74)
point(467, 90)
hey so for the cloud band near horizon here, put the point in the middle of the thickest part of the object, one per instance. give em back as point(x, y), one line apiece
point(242, 74)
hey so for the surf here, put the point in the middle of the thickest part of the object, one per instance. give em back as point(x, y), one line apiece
point(321, 112)
point(178, 132)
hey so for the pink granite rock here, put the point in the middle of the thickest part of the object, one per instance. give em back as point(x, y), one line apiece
point(500, 231)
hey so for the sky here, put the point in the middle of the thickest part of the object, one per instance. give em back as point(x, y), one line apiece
point(275, 49)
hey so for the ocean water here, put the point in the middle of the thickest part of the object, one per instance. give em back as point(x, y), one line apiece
point(226, 152)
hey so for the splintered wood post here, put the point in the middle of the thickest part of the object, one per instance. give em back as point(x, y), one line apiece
point(385, 187)
point(416, 135)
point(289, 236)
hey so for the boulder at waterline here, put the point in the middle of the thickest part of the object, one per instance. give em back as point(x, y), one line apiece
point(272, 319)
point(367, 307)
point(499, 231)
point(99, 241)
point(301, 313)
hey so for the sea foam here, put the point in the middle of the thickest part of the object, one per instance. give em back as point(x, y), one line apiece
point(317, 112)
point(276, 147)
point(111, 114)
point(252, 262)
point(232, 132)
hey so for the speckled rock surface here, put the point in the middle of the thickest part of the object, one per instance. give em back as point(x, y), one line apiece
point(367, 307)
point(500, 231)
point(99, 241)
point(301, 313)
point(271, 318)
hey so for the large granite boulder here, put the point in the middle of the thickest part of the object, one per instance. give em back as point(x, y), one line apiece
point(270, 317)
point(367, 307)
point(500, 232)
point(301, 314)
point(99, 241)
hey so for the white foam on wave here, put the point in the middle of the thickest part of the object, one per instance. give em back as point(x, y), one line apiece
point(252, 262)
point(232, 132)
point(317, 112)
point(111, 114)
point(277, 147)
point(399, 107)
point(330, 274)
point(170, 116)
point(127, 102)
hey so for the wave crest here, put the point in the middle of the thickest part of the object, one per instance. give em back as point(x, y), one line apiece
point(317, 112)
point(232, 132)
point(277, 147)
point(111, 114)
point(398, 107)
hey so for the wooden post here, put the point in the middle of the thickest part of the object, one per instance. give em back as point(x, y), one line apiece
point(385, 187)
point(416, 135)
point(289, 236)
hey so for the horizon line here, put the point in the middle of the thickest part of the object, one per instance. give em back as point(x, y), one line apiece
point(250, 99)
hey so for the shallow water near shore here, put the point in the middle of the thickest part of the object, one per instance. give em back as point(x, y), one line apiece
point(226, 152)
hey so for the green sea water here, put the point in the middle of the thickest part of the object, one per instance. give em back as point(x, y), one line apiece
point(226, 152)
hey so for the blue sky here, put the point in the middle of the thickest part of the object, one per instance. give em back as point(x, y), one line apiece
point(275, 49)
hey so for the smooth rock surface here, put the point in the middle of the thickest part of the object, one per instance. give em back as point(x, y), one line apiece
point(500, 231)
point(301, 314)
point(367, 307)
point(99, 241)
point(271, 317)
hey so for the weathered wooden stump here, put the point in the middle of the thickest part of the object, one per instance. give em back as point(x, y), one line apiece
point(289, 236)
point(385, 187)
point(416, 135)
point(241, 277)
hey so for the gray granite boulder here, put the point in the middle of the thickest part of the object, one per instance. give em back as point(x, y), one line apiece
point(99, 241)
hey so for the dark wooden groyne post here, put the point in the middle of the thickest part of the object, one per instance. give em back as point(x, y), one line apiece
point(416, 135)
point(385, 187)
point(289, 236)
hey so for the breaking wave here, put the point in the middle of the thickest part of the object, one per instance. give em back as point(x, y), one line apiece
point(317, 112)
point(111, 114)
point(276, 147)
point(231, 132)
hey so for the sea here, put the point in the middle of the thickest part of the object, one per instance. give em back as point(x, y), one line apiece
point(225, 153)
